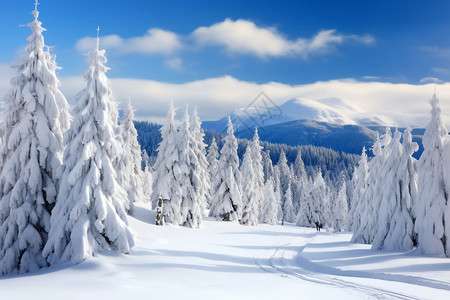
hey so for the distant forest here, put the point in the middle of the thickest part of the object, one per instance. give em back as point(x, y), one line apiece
point(330, 162)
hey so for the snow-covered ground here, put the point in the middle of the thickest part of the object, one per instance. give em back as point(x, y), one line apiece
point(230, 261)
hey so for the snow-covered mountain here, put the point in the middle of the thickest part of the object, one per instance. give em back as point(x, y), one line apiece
point(329, 123)
point(329, 110)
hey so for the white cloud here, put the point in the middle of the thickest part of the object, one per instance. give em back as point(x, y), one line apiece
point(174, 63)
point(430, 80)
point(245, 37)
point(407, 104)
point(370, 77)
point(155, 41)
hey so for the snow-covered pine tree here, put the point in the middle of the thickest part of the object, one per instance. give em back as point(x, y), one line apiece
point(395, 221)
point(34, 119)
point(257, 165)
point(431, 211)
point(299, 181)
point(147, 182)
point(278, 194)
point(288, 208)
point(226, 189)
point(360, 185)
point(89, 215)
point(285, 180)
point(370, 202)
point(320, 198)
point(313, 207)
point(306, 213)
point(131, 159)
point(145, 159)
point(166, 171)
point(250, 203)
point(340, 209)
point(269, 209)
point(213, 164)
point(201, 167)
point(267, 165)
point(188, 176)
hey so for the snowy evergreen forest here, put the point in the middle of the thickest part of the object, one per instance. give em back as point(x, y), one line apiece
point(69, 178)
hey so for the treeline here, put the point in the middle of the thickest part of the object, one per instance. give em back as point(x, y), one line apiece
point(330, 162)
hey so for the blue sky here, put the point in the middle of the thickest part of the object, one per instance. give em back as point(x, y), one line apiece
point(294, 43)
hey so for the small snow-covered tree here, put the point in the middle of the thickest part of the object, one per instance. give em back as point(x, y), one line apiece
point(360, 184)
point(188, 176)
point(165, 182)
point(201, 166)
point(432, 212)
point(213, 164)
point(269, 209)
point(306, 213)
point(34, 118)
point(285, 180)
point(250, 203)
point(89, 215)
point(131, 159)
point(226, 184)
point(147, 182)
point(338, 217)
point(267, 165)
point(313, 208)
point(320, 199)
point(288, 208)
point(257, 164)
point(299, 181)
point(285, 174)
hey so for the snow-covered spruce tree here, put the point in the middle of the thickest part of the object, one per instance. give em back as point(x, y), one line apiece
point(278, 194)
point(257, 165)
point(371, 199)
point(360, 184)
point(166, 171)
point(306, 213)
point(188, 176)
point(269, 209)
point(338, 217)
point(267, 165)
point(34, 119)
point(89, 215)
point(226, 189)
point(288, 208)
point(432, 212)
point(285, 180)
point(131, 159)
point(250, 203)
point(299, 181)
point(201, 167)
point(147, 182)
point(395, 222)
point(213, 164)
point(313, 208)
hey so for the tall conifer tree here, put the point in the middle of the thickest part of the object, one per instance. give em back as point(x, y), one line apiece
point(34, 120)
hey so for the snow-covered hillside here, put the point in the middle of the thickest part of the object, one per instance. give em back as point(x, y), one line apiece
point(225, 260)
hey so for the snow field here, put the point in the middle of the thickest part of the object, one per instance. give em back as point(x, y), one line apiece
point(224, 260)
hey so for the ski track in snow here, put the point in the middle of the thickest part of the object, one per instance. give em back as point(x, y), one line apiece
point(292, 264)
